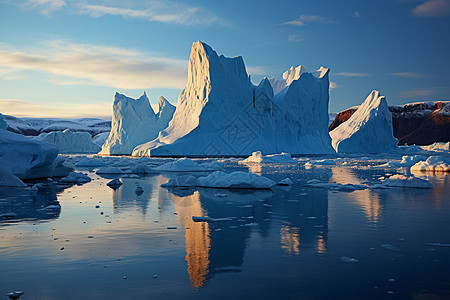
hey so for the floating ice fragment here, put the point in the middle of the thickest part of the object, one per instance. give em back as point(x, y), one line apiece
point(390, 247)
point(350, 260)
point(115, 183)
point(209, 219)
point(438, 245)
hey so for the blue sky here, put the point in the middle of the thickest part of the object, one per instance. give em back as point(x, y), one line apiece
point(64, 58)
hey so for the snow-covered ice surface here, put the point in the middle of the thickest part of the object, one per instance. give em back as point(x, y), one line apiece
point(257, 157)
point(432, 164)
point(369, 129)
point(438, 147)
point(70, 142)
point(220, 112)
point(134, 122)
point(334, 218)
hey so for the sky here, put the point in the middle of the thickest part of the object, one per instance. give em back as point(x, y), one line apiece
point(66, 59)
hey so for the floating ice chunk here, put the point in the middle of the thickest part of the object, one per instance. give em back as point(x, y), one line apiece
point(139, 190)
point(8, 215)
point(7, 178)
point(390, 247)
point(407, 182)
point(187, 165)
point(221, 195)
point(335, 186)
point(75, 177)
point(210, 220)
point(89, 162)
point(438, 245)
point(437, 147)
point(257, 157)
point(62, 167)
point(433, 164)
point(219, 179)
point(142, 169)
point(350, 260)
point(286, 181)
point(109, 170)
point(115, 183)
point(321, 162)
point(15, 295)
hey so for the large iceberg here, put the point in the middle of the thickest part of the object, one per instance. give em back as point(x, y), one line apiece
point(134, 122)
point(26, 158)
point(70, 142)
point(369, 129)
point(220, 112)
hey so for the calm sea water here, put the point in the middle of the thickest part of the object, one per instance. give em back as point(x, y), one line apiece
point(285, 244)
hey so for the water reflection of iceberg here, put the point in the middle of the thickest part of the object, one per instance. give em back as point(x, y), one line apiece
point(19, 205)
point(305, 223)
point(213, 248)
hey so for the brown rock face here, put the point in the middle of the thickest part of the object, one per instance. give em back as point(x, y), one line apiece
point(419, 123)
point(341, 118)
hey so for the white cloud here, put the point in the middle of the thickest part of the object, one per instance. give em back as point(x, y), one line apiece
point(432, 8)
point(295, 38)
point(303, 19)
point(421, 92)
point(22, 108)
point(155, 11)
point(256, 70)
point(351, 74)
point(333, 85)
point(44, 6)
point(98, 65)
point(409, 75)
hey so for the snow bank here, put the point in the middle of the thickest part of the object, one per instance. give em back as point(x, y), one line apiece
point(407, 182)
point(438, 147)
point(257, 157)
point(70, 142)
point(219, 179)
point(369, 129)
point(26, 158)
point(134, 122)
point(188, 165)
point(220, 112)
point(433, 164)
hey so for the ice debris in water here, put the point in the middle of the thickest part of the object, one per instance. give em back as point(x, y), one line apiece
point(15, 294)
point(350, 260)
point(114, 183)
point(286, 181)
point(209, 219)
point(390, 247)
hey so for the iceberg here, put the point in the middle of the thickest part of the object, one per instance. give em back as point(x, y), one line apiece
point(187, 165)
point(433, 164)
point(369, 129)
point(26, 158)
point(258, 158)
point(70, 142)
point(134, 122)
point(220, 112)
point(407, 182)
point(8, 179)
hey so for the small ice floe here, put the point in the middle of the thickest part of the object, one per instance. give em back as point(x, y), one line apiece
point(258, 158)
point(124, 277)
point(138, 191)
point(390, 247)
point(392, 280)
point(220, 195)
point(115, 183)
point(407, 182)
point(155, 276)
point(130, 176)
point(349, 260)
point(143, 169)
point(251, 224)
point(187, 165)
point(321, 162)
point(51, 207)
point(378, 186)
point(335, 186)
point(15, 294)
point(245, 206)
point(8, 215)
point(172, 227)
point(433, 164)
point(286, 181)
point(75, 177)
point(311, 218)
point(210, 220)
point(110, 170)
point(438, 245)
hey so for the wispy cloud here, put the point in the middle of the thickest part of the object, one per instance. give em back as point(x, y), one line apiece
point(45, 7)
point(256, 70)
point(432, 8)
point(302, 20)
point(98, 65)
point(295, 38)
point(162, 11)
point(333, 85)
point(156, 11)
point(22, 108)
point(421, 92)
point(409, 75)
point(352, 74)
